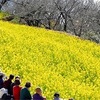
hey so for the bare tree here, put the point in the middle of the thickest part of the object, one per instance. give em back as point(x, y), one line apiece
point(79, 17)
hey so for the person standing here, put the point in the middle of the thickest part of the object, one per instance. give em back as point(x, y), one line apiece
point(16, 90)
point(7, 84)
point(13, 84)
point(38, 94)
point(25, 93)
point(57, 96)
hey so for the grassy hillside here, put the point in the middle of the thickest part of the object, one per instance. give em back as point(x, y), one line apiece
point(51, 60)
point(3, 15)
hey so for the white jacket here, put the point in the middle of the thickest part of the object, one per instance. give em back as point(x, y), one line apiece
point(3, 91)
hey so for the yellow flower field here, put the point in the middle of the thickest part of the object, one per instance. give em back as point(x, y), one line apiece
point(55, 61)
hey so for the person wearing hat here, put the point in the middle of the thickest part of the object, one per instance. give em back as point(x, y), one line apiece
point(57, 96)
point(25, 93)
point(3, 92)
point(38, 94)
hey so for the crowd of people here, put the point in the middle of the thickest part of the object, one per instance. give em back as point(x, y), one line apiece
point(13, 91)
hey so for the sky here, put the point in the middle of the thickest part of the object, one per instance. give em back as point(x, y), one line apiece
point(96, 0)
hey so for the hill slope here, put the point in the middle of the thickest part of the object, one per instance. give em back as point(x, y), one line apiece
point(53, 61)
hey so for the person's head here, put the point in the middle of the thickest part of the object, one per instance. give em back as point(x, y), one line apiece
point(28, 85)
point(1, 75)
point(17, 82)
point(11, 76)
point(38, 90)
point(44, 98)
point(17, 78)
point(71, 99)
point(56, 95)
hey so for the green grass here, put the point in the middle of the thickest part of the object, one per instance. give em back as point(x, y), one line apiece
point(3, 15)
point(55, 61)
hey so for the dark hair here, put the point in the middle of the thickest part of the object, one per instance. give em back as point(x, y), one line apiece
point(1, 76)
point(71, 99)
point(28, 84)
point(11, 76)
point(38, 89)
point(17, 82)
point(56, 95)
point(17, 77)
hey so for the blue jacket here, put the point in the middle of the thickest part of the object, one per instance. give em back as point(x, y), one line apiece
point(1, 83)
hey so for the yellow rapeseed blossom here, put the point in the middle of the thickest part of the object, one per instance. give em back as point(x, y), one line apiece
point(55, 61)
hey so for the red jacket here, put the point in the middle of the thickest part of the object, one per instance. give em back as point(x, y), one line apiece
point(16, 92)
